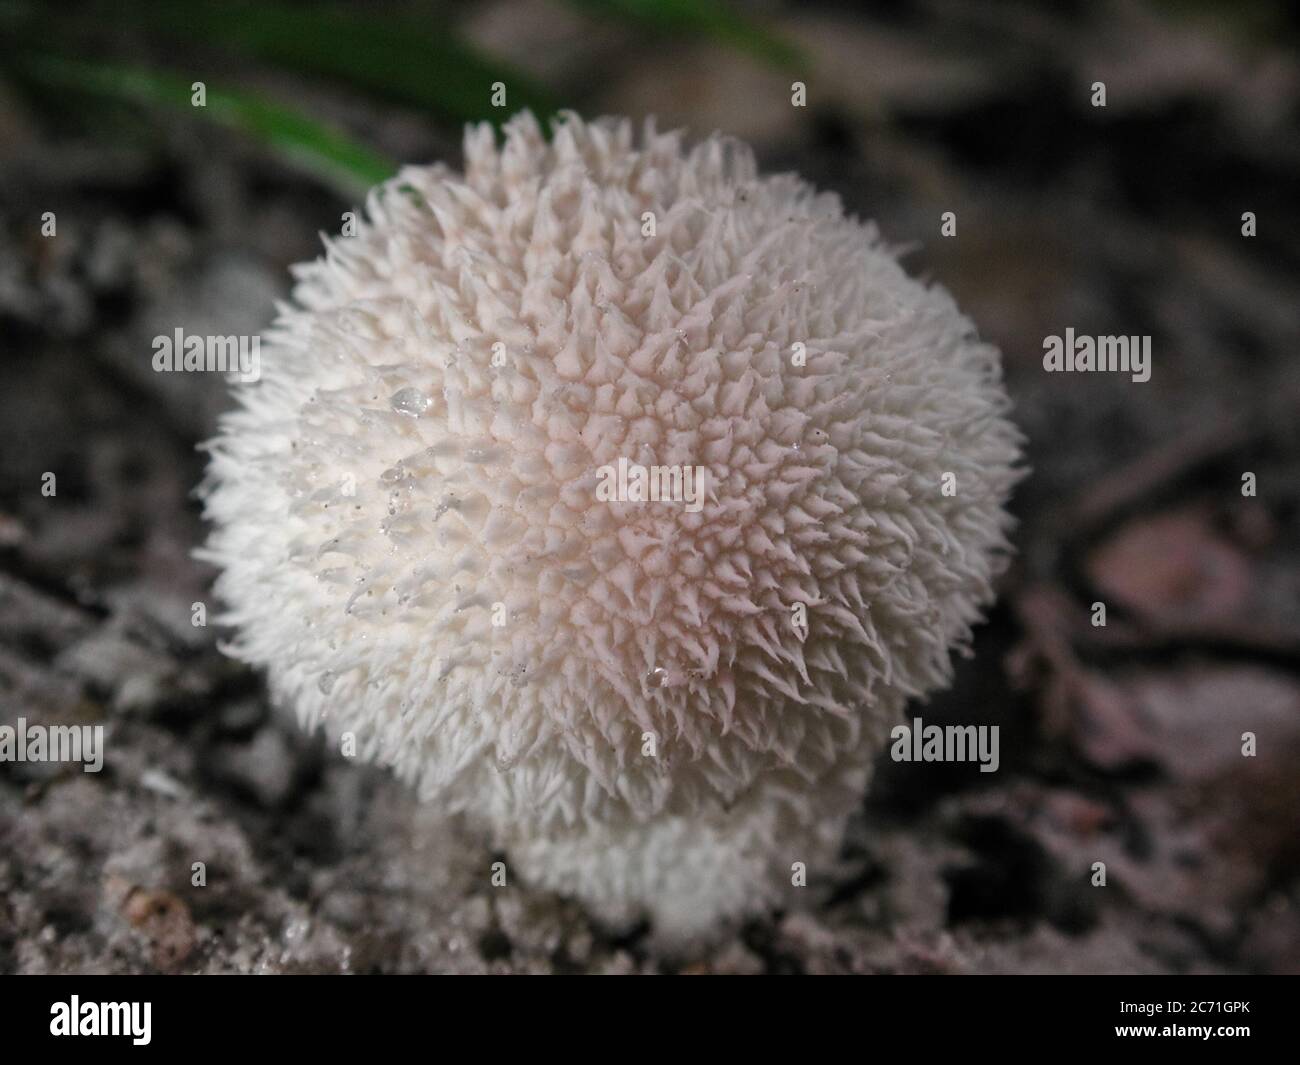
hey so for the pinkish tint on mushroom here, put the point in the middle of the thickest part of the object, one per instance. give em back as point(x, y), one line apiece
point(599, 491)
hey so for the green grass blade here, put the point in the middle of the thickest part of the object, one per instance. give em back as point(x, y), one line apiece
point(320, 150)
point(703, 18)
point(409, 60)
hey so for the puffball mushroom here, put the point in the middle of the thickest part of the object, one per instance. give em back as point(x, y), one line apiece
point(648, 707)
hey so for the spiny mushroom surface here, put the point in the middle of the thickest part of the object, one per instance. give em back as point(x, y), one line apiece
point(624, 694)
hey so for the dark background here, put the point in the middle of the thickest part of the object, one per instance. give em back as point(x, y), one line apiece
point(1119, 744)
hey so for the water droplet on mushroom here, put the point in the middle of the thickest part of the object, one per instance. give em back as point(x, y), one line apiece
point(326, 682)
point(410, 401)
point(480, 455)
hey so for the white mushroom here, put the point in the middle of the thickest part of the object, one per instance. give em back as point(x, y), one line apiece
point(649, 707)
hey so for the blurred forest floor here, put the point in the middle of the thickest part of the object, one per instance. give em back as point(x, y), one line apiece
point(1120, 744)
